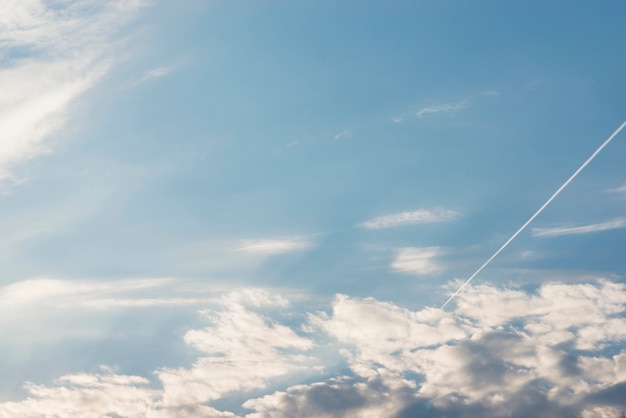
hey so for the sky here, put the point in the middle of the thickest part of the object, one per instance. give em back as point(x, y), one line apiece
point(214, 208)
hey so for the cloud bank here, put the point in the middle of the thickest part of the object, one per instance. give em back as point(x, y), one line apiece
point(554, 352)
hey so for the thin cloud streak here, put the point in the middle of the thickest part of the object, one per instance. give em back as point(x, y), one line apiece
point(583, 229)
point(460, 105)
point(273, 246)
point(452, 107)
point(409, 218)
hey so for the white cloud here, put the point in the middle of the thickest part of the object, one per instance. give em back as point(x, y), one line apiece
point(456, 106)
point(52, 309)
point(85, 396)
point(617, 223)
point(273, 246)
point(417, 260)
point(507, 360)
point(242, 350)
point(500, 352)
point(409, 218)
point(449, 107)
point(70, 293)
point(69, 48)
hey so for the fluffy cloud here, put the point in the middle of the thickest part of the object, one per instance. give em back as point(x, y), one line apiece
point(408, 218)
point(85, 396)
point(242, 350)
point(417, 260)
point(69, 48)
point(555, 352)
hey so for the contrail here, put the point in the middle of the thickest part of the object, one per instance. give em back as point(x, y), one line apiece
point(560, 189)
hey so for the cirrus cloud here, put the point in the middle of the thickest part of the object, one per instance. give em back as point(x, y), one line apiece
point(420, 216)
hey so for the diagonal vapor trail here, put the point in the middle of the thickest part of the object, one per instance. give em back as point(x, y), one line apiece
point(560, 189)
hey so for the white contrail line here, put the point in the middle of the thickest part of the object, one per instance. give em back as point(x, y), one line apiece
point(560, 189)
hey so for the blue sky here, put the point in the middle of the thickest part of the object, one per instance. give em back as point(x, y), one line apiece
point(220, 208)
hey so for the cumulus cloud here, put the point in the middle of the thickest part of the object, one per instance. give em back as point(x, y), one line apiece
point(417, 260)
point(617, 223)
point(409, 218)
point(241, 350)
point(69, 47)
point(85, 395)
point(274, 246)
point(500, 352)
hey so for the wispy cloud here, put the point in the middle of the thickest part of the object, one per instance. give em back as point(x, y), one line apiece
point(418, 260)
point(346, 133)
point(448, 107)
point(274, 246)
point(617, 223)
point(621, 190)
point(410, 217)
point(156, 73)
point(455, 106)
point(70, 48)
point(72, 294)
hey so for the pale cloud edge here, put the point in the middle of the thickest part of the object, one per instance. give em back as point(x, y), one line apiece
point(500, 352)
point(616, 223)
point(409, 218)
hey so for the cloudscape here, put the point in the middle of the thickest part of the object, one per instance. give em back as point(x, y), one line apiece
point(276, 209)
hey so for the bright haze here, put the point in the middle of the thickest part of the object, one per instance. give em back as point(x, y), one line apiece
point(214, 208)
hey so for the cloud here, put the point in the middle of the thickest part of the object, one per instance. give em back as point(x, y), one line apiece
point(346, 133)
point(617, 223)
point(417, 260)
point(449, 107)
point(69, 48)
point(500, 352)
point(241, 349)
point(85, 395)
point(156, 73)
point(54, 294)
point(531, 358)
point(453, 107)
point(621, 190)
point(273, 246)
point(409, 218)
